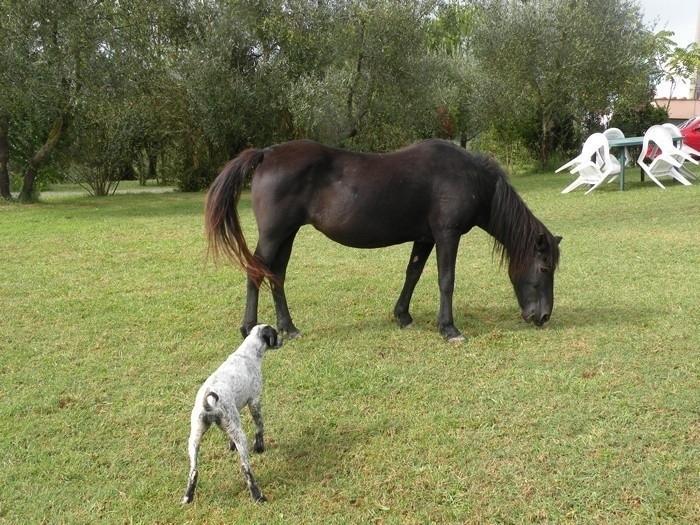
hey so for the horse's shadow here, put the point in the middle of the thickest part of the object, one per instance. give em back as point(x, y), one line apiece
point(478, 321)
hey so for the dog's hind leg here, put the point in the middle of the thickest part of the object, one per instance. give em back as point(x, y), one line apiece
point(199, 427)
point(256, 411)
point(231, 424)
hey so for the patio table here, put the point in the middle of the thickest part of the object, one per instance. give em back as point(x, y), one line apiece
point(621, 144)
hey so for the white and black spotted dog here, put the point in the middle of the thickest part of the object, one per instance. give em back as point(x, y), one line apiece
point(235, 384)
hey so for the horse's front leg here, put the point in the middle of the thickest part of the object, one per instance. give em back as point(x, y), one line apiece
point(419, 255)
point(446, 247)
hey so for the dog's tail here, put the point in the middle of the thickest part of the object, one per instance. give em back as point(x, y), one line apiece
point(211, 402)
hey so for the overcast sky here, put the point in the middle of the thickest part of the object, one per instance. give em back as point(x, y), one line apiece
point(679, 16)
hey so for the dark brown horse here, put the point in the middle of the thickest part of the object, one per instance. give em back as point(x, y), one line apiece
point(430, 194)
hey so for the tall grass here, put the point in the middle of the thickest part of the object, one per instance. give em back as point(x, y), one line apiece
point(111, 318)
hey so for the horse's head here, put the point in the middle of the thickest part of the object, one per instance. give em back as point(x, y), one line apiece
point(534, 282)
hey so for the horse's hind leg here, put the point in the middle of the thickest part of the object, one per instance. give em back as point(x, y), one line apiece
point(250, 317)
point(275, 254)
point(279, 268)
point(419, 255)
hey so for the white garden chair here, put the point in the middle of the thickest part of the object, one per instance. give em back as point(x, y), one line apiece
point(616, 133)
point(594, 165)
point(668, 160)
point(676, 134)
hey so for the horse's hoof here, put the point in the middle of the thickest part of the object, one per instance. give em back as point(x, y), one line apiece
point(451, 334)
point(404, 320)
point(291, 334)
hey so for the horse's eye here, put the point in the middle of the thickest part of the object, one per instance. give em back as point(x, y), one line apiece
point(544, 269)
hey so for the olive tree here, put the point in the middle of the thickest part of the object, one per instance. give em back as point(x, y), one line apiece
point(43, 57)
point(558, 62)
point(380, 87)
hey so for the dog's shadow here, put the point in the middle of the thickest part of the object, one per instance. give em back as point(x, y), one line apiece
point(317, 454)
point(313, 455)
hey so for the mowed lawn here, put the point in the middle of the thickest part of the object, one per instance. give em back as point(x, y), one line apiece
point(111, 318)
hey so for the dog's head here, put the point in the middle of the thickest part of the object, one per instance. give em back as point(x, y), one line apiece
point(268, 335)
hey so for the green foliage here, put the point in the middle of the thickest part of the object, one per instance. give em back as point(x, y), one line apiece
point(552, 67)
point(380, 89)
point(195, 178)
point(191, 84)
point(511, 152)
point(634, 121)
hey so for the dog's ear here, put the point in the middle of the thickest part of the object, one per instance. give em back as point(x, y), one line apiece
point(269, 335)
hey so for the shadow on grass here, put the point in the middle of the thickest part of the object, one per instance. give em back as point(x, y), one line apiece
point(154, 205)
point(141, 205)
point(603, 315)
point(311, 457)
point(475, 322)
point(319, 453)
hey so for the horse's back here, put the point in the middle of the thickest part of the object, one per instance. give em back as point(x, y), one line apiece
point(365, 199)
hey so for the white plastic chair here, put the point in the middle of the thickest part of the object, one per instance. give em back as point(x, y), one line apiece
point(616, 133)
point(669, 159)
point(589, 149)
point(676, 134)
point(594, 165)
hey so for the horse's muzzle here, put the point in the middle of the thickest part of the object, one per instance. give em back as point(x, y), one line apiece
point(535, 318)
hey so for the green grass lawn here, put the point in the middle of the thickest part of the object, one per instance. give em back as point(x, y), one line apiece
point(111, 318)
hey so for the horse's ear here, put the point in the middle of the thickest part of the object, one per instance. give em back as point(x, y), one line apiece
point(558, 238)
point(541, 243)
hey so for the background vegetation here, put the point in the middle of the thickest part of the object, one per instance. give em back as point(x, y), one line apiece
point(95, 92)
point(111, 319)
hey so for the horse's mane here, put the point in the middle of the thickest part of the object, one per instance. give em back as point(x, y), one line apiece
point(514, 227)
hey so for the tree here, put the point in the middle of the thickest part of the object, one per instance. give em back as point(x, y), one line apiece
point(552, 61)
point(379, 88)
point(43, 56)
point(449, 36)
point(635, 120)
point(4, 158)
point(682, 63)
point(104, 90)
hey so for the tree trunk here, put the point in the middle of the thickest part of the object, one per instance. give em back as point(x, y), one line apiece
point(356, 111)
point(4, 159)
point(27, 193)
point(544, 147)
point(152, 166)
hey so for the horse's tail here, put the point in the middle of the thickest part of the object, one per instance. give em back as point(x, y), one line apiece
point(222, 223)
